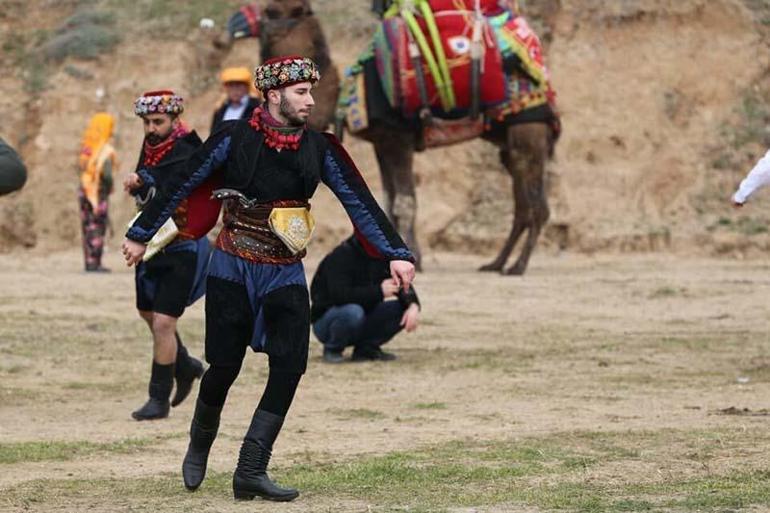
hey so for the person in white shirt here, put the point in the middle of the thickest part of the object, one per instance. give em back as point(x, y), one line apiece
point(757, 178)
point(240, 104)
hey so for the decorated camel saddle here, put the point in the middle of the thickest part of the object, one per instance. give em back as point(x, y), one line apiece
point(454, 66)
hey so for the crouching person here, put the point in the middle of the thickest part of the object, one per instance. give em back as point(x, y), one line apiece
point(356, 303)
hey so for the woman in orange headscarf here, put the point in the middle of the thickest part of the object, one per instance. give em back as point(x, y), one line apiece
point(96, 164)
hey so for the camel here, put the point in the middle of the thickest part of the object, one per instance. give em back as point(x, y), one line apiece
point(524, 150)
point(289, 27)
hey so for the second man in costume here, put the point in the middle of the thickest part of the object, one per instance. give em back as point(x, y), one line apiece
point(175, 277)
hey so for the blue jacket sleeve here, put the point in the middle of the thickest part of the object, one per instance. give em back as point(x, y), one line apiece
point(144, 192)
point(340, 174)
point(199, 166)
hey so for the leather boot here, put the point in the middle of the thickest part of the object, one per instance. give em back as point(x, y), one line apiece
point(203, 431)
point(187, 370)
point(161, 383)
point(250, 478)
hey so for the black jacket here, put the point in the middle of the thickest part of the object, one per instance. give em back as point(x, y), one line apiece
point(349, 275)
point(155, 179)
point(236, 153)
point(220, 112)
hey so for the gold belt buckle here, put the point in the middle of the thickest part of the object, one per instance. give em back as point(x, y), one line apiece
point(294, 226)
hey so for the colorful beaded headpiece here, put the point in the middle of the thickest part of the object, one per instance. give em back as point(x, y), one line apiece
point(159, 102)
point(285, 71)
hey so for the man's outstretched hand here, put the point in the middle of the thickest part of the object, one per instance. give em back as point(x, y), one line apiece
point(131, 182)
point(133, 251)
point(403, 273)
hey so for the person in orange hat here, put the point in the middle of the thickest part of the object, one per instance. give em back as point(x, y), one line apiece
point(96, 164)
point(240, 103)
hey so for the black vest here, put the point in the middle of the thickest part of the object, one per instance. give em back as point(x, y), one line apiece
point(249, 171)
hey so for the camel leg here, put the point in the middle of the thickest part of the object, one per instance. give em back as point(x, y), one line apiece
point(395, 155)
point(386, 176)
point(518, 226)
point(529, 145)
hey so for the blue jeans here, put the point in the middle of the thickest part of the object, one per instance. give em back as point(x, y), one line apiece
point(349, 325)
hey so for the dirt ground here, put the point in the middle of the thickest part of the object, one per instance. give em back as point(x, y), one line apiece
point(636, 348)
point(599, 382)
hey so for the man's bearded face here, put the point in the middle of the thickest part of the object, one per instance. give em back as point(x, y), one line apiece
point(157, 127)
point(296, 103)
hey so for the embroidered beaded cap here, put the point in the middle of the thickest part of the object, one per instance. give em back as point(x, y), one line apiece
point(285, 71)
point(159, 102)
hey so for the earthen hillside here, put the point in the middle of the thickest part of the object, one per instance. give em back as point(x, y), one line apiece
point(663, 102)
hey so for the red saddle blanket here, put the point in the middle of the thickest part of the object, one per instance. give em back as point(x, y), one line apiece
point(455, 27)
point(488, 7)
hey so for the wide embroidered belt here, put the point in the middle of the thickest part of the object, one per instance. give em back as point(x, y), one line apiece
point(276, 232)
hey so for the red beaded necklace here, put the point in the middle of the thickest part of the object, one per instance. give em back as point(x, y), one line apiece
point(277, 136)
point(154, 154)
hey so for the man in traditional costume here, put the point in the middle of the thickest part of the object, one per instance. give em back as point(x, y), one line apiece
point(256, 291)
point(174, 277)
point(239, 103)
point(96, 164)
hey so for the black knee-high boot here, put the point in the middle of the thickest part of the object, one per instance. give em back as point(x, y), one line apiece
point(187, 370)
point(203, 431)
point(161, 383)
point(250, 478)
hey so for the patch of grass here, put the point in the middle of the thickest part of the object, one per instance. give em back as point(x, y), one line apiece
point(695, 343)
point(60, 451)
point(751, 226)
point(736, 491)
point(759, 373)
point(15, 395)
point(171, 19)
point(744, 224)
point(505, 360)
point(358, 413)
point(547, 473)
point(749, 127)
point(429, 406)
point(84, 35)
point(104, 388)
point(14, 369)
point(668, 291)
point(78, 73)
point(738, 144)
